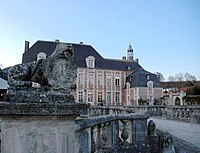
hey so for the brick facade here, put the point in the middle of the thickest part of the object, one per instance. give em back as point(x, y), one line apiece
point(103, 81)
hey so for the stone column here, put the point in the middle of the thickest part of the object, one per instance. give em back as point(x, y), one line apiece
point(39, 127)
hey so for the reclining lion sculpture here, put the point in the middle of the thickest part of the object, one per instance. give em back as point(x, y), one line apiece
point(55, 75)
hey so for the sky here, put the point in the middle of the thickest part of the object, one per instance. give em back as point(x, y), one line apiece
point(165, 34)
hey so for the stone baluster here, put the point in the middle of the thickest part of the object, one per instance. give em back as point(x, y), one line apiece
point(185, 113)
point(102, 111)
point(98, 138)
point(104, 135)
point(181, 113)
point(175, 113)
point(93, 145)
point(108, 133)
point(125, 133)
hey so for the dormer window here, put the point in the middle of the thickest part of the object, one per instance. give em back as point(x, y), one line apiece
point(41, 55)
point(148, 77)
point(90, 62)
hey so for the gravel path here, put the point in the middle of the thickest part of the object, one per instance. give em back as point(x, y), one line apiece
point(186, 131)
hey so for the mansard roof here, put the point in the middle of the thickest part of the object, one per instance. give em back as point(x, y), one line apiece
point(141, 77)
point(81, 52)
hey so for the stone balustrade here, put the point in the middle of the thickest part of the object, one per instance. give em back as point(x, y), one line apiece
point(183, 112)
point(59, 128)
point(105, 110)
point(113, 133)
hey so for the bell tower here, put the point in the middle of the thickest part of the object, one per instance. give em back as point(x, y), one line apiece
point(130, 53)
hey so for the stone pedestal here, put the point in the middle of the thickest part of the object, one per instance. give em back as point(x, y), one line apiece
point(39, 127)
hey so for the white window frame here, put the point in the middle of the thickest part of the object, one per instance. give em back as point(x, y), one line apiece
point(41, 55)
point(100, 97)
point(80, 96)
point(90, 79)
point(100, 80)
point(117, 97)
point(90, 62)
point(90, 96)
point(80, 79)
point(109, 98)
point(150, 90)
point(108, 81)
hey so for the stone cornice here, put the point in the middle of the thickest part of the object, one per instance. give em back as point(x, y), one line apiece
point(43, 109)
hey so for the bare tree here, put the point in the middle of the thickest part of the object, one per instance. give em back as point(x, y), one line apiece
point(160, 76)
point(179, 77)
point(171, 78)
point(189, 77)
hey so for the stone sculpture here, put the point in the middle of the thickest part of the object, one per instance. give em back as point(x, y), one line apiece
point(151, 128)
point(54, 74)
point(166, 143)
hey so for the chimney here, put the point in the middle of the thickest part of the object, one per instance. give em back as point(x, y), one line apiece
point(123, 58)
point(26, 46)
point(137, 60)
point(57, 40)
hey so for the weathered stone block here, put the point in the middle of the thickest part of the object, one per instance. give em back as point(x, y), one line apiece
point(38, 134)
point(139, 130)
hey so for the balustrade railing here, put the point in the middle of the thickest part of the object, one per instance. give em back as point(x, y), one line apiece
point(111, 133)
point(183, 112)
point(105, 110)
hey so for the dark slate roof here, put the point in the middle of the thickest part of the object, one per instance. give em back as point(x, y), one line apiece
point(81, 52)
point(5, 73)
point(122, 65)
point(140, 79)
point(40, 46)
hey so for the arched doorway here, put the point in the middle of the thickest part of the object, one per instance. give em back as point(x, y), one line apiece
point(177, 101)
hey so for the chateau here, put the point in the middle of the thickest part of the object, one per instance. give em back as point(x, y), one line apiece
point(102, 81)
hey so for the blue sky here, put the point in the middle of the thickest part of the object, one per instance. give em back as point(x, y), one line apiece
point(165, 35)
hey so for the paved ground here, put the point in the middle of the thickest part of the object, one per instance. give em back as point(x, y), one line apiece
point(186, 131)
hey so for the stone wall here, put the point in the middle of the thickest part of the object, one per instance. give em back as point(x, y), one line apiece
point(38, 134)
point(40, 127)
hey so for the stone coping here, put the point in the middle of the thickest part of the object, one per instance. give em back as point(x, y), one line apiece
point(85, 123)
point(43, 109)
point(182, 145)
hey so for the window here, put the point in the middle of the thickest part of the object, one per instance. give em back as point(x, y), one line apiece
point(41, 55)
point(90, 96)
point(117, 98)
point(90, 61)
point(117, 82)
point(80, 96)
point(128, 92)
point(150, 87)
point(100, 80)
point(108, 98)
point(108, 81)
point(99, 96)
point(128, 88)
point(90, 79)
point(80, 79)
